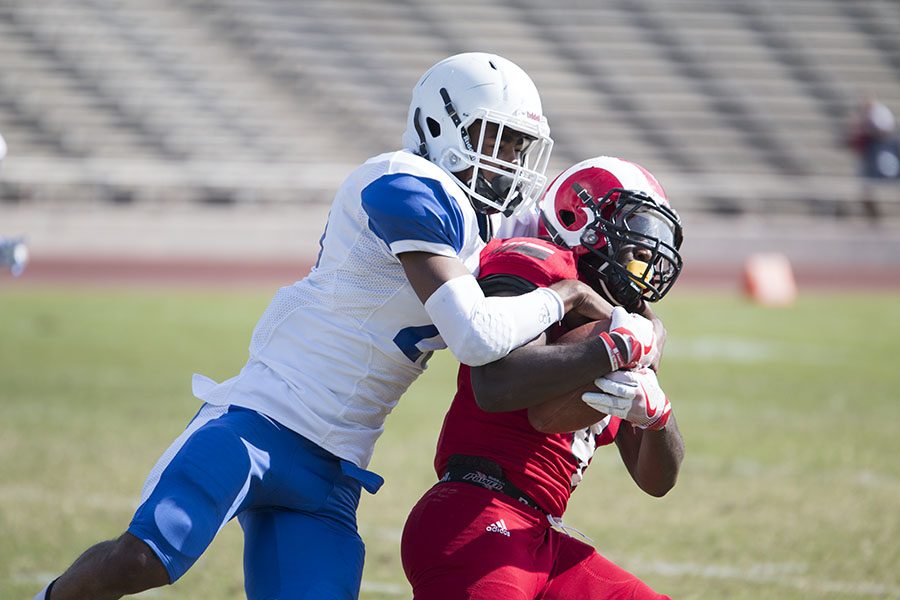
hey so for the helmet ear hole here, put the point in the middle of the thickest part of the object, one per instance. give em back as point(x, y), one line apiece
point(434, 128)
point(567, 217)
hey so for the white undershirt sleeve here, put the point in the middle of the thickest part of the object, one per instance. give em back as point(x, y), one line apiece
point(479, 330)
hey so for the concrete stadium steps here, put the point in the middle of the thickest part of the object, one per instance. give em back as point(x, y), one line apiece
point(726, 87)
point(171, 82)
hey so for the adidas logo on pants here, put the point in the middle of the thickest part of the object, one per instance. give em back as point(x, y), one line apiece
point(498, 527)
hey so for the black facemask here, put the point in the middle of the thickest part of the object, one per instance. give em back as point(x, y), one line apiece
point(637, 222)
point(612, 284)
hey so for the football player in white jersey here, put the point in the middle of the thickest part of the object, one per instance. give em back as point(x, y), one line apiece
point(285, 444)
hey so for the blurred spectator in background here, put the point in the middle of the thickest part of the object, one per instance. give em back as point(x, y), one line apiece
point(873, 136)
point(13, 252)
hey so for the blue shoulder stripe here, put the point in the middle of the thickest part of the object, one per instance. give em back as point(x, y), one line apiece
point(406, 207)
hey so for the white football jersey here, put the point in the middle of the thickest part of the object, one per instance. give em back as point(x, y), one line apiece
point(333, 353)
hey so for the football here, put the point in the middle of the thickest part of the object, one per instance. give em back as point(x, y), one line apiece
point(567, 412)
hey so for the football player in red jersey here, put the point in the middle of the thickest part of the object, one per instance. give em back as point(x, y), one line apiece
point(492, 526)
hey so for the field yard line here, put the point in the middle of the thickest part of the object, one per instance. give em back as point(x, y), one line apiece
point(778, 574)
point(38, 580)
point(784, 575)
point(385, 587)
point(742, 350)
point(380, 587)
point(869, 478)
point(28, 495)
point(391, 534)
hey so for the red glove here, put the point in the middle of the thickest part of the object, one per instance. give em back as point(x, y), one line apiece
point(630, 341)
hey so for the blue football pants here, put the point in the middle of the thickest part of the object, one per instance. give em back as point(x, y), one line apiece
point(295, 501)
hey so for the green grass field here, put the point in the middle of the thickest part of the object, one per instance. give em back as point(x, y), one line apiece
point(791, 418)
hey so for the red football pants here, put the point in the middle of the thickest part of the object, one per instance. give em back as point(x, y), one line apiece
point(462, 541)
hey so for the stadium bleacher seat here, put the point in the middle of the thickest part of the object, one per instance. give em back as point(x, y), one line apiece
point(731, 90)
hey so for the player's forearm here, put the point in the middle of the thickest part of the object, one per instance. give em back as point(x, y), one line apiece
point(659, 459)
point(531, 374)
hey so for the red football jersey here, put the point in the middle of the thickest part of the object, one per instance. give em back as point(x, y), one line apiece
point(546, 467)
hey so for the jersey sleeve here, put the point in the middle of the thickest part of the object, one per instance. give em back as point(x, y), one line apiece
point(414, 214)
point(538, 261)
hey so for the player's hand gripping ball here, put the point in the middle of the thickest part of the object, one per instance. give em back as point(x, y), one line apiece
point(631, 340)
point(568, 412)
point(634, 396)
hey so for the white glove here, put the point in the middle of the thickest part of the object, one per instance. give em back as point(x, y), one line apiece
point(631, 395)
point(630, 341)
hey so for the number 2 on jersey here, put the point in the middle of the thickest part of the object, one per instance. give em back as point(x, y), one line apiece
point(408, 338)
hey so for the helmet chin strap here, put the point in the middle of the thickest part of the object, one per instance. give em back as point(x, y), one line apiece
point(496, 190)
point(614, 286)
point(621, 289)
point(423, 147)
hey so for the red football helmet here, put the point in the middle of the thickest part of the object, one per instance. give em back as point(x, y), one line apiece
point(616, 217)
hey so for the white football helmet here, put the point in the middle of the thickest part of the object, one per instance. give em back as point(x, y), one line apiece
point(616, 217)
point(462, 89)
